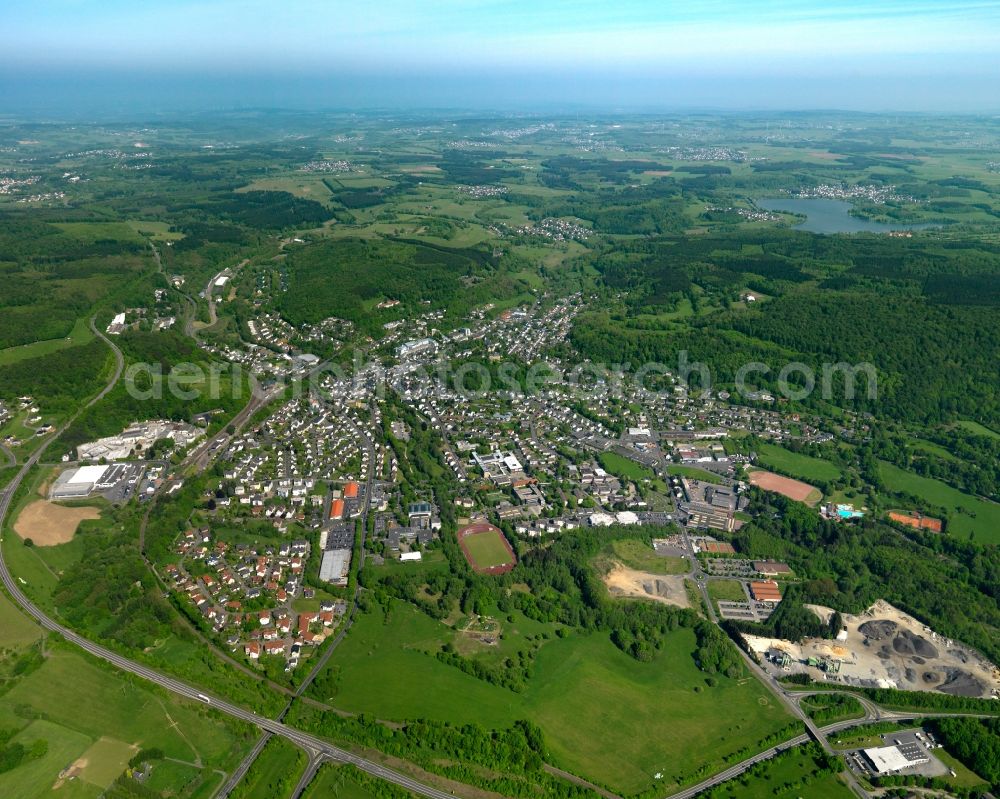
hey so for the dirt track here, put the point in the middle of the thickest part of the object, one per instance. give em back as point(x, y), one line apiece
point(48, 524)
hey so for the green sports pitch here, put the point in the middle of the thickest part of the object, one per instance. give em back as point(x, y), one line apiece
point(486, 549)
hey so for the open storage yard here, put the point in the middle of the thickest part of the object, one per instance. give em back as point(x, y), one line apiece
point(885, 648)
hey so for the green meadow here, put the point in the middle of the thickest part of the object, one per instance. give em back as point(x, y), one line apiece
point(274, 773)
point(968, 516)
point(638, 554)
point(624, 467)
point(80, 334)
point(605, 716)
point(794, 464)
point(693, 473)
point(794, 774)
point(92, 716)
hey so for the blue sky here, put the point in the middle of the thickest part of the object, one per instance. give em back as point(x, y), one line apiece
point(893, 54)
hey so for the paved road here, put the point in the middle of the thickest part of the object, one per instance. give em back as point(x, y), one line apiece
point(316, 747)
point(739, 768)
point(778, 690)
point(303, 739)
point(307, 776)
point(241, 770)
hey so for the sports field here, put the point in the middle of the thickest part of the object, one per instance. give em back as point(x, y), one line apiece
point(606, 716)
point(486, 549)
point(786, 486)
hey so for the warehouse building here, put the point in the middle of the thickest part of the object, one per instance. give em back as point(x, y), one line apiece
point(765, 591)
point(78, 482)
point(890, 759)
point(335, 566)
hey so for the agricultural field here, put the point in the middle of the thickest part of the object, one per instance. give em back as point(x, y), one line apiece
point(47, 524)
point(606, 717)
point(93, 719)
point(643, 238)
point(968, 517)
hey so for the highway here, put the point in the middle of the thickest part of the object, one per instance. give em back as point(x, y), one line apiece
point(241, 770)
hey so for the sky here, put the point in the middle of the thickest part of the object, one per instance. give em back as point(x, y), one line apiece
point(898, 55)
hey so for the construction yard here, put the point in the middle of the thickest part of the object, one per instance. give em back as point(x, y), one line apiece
point(666, 588)
point(883, 648)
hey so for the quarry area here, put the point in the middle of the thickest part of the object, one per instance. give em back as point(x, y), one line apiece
point(668, 589)
point(882, 648)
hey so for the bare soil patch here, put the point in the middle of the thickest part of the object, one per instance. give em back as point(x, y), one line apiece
point(666, 588)
point(48, 524)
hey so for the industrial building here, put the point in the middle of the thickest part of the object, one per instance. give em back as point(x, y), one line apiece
point(765, 591)
point(890, 759)
point(412, 349)
point(335, 566)
point(80, 482)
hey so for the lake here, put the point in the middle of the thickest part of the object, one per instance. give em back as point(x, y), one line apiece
point(829, 216)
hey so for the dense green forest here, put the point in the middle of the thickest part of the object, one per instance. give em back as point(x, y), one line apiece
point(833, 300)
point(60, 379)
point(346, 278)
point(52, 275)
point(155, 362)
point(976, 742)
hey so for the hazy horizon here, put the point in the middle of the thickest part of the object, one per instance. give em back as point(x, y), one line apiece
point(887, 55)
